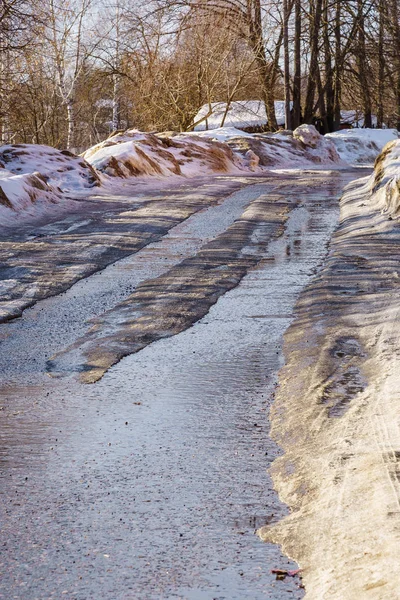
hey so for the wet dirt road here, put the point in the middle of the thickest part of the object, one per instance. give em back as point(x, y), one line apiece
point(150, 483)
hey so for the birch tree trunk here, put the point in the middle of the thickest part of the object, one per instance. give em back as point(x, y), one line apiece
point(116, 102)
point(71, 125)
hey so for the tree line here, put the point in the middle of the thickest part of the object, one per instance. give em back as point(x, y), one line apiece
point(73, 71)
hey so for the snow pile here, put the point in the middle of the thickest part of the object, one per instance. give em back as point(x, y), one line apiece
point(242, 114)
point(27, 193)
point(33, 177)
point(222, 134)
point(136, 154)
point(225, 150)
point(303, 147)
point(385, 181)
point(308, 135)
point(59, 168)
point(361, 146)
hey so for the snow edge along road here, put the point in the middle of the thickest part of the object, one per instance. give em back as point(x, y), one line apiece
point(171, 303)
point(335, 414)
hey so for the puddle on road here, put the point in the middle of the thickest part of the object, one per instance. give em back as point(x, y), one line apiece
point(150, 483)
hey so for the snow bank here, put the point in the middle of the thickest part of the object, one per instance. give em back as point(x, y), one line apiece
point(385, 181)
point(60, 168)
point(133, 153)
point(33, 177)
point(303, 147)
point(27, 193)
point(361, 146)
point(224, 150)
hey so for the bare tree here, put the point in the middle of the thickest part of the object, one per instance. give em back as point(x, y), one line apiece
point(71, 48)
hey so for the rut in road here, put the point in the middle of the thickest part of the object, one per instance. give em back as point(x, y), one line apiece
point(171, 303)
point(45, 259)
point(92, 296)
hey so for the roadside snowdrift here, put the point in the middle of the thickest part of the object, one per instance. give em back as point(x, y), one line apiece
point(225, 150)
point(20, 193)
point(304, 147)
point(361, 146)
point(339, 470)
point(59, 168)
point(385, 181)
point(33, 177)
point(136, 154)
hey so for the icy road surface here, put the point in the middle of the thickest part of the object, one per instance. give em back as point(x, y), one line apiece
point(150, 483)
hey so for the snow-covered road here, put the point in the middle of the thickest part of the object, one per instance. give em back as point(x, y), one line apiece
point(150, 483)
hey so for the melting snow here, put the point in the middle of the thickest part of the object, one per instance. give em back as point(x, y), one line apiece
point(361, 146)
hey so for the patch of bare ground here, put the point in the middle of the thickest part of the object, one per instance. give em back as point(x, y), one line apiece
point(336, 414)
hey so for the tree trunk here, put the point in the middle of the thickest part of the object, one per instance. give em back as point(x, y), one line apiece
point(5, 132)
point(337, 84)
point(297, 66)
point(71, 125)
point(286, 15)
point(329, 94)
point(266, 70)
point(315, 16)
point(321, 103)
point(362, 67)
point(396, 42)
point(116, 109)
point(381, 63)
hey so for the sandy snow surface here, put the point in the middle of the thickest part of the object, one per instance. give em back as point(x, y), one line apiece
point(336, 412)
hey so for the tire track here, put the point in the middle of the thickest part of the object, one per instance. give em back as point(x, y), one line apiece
point(171, 303)
point(46, 259)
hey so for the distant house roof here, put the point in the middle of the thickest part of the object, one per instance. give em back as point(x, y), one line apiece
point(242, 114)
